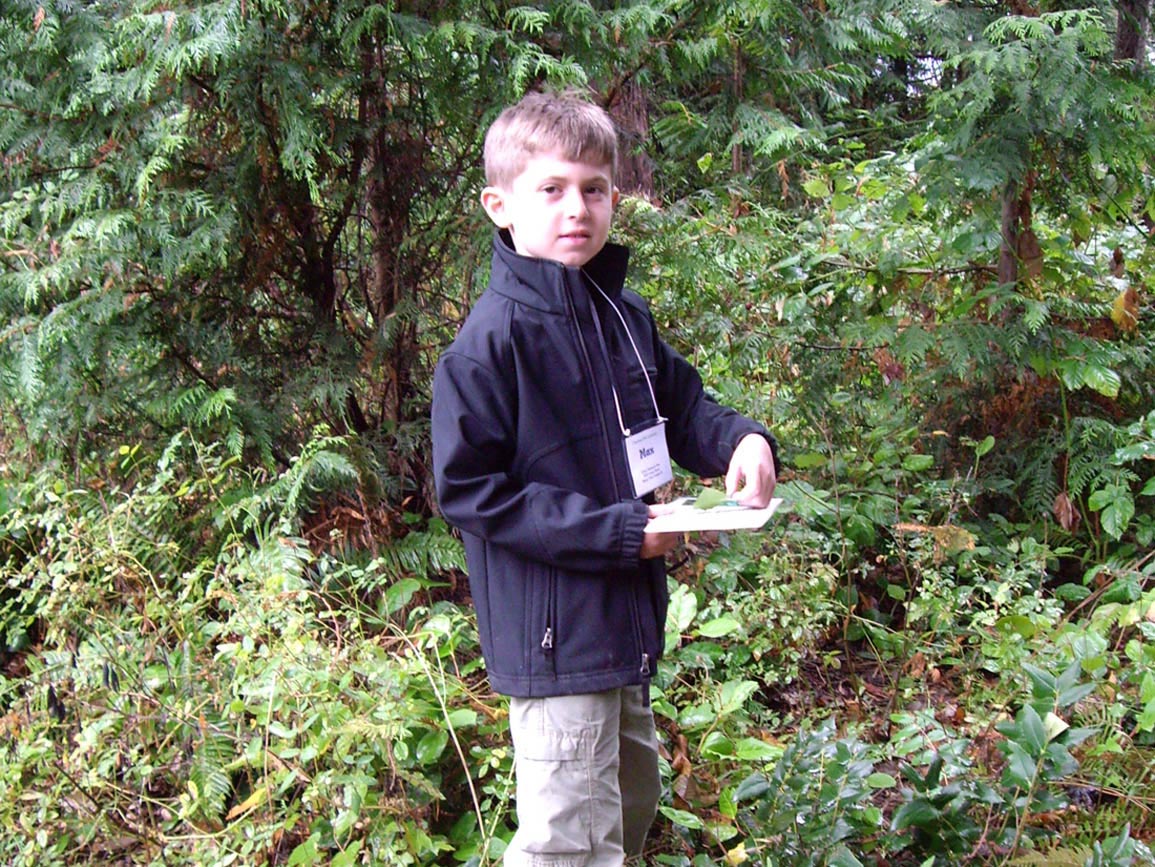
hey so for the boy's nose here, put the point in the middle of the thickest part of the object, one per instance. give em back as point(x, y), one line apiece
point(575, 203)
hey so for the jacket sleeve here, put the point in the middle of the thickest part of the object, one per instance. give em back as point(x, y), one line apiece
point(702, 433)
point(473, 433)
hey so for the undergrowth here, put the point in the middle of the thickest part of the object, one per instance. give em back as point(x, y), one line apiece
point(192, 676)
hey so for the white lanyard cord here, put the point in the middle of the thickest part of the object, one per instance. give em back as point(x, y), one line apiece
point(638, 354)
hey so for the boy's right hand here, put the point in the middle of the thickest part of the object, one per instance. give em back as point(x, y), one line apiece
point(658, 544)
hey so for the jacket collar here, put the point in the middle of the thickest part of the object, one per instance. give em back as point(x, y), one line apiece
point(542, 282)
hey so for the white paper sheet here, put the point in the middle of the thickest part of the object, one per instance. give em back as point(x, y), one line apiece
point(687, 519)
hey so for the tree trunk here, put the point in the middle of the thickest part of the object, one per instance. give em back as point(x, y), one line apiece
point(1008, 261)
point(635, 169)
point(739, 84)
point(394, 172)
point(1019, 254)
point(1131, 30)
point(390, 194)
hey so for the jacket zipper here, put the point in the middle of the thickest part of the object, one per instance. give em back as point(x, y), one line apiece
point(593, 379)
point(644, 667)
point(550, 620)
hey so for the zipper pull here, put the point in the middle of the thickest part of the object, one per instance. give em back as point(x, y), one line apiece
point(547, 639)
point(645, 665)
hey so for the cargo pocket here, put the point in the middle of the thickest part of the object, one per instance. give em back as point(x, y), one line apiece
point(553, 794)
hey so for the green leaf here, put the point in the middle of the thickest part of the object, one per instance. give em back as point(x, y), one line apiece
point(719, 626)
point(860, 530)
point(718, 745)
point(1117, 516)
point(879, 780)
point(1054, 725)
point(841, 201)
point(680, 614)
point(809, 460)
point(1103, 380)
point(709, 498)
point(462, 717)
point(734, 694)
point(1145, 721)
point(917, 463)
point(753, 786)
point(816, 187)
point(1019, 624)
point(400, 593)
point(1147, 688)
point(1075, 694)
point(918, 813)
point(1031, 730)
point(431, 746)
point(682, 819)
point(305, 853)
point(755, 750)
point(1021, 767)
point(348, 856)
point(1101, 498)
point(842, 857)
point(697, 716)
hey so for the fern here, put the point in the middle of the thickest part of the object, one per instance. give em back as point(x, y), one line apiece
point(1041, 482)
point(421, 554)
point(206, 413)
point(527, 20)
point(1091, 462)
point(1125, 787)
point(323, 465)
point(209, 782)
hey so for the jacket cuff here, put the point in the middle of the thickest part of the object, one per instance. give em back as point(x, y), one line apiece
point(634, 521)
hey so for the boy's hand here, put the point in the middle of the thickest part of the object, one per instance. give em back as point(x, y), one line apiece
point(753, 464)
point(658, 544)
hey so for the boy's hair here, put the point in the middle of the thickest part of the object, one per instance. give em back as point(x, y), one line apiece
point(565, 123)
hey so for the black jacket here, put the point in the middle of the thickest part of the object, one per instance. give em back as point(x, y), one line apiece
point(529, 463)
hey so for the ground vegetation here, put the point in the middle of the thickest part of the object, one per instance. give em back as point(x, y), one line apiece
point(913, 237)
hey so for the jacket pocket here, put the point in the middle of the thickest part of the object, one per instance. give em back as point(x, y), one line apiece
point(595, 631)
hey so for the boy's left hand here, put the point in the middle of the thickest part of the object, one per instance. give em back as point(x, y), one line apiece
point(752, 467)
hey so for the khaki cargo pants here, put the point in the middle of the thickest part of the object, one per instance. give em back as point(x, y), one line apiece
point(586, 770)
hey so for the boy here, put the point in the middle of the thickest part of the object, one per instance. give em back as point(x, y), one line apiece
point(555, 414)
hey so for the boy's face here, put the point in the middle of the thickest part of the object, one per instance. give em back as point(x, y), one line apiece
point(556, 208)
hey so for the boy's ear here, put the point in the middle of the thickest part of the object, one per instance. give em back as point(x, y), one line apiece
point(617, 194)
point(493, 200)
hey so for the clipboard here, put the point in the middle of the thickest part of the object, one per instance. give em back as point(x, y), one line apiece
point(686, 518)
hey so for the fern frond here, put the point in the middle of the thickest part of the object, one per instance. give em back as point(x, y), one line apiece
point(1041, 483)
point(424, 554)
point(208, 781)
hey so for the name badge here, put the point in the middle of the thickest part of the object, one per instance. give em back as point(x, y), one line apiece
point(649, 459)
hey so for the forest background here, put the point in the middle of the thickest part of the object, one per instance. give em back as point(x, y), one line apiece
point(914, 237)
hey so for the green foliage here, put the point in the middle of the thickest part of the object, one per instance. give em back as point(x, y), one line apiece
point(815, 800)
point(738, 619)
point(938, 811)
point(235, 235)
point(189, 198)
point(226, 690)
